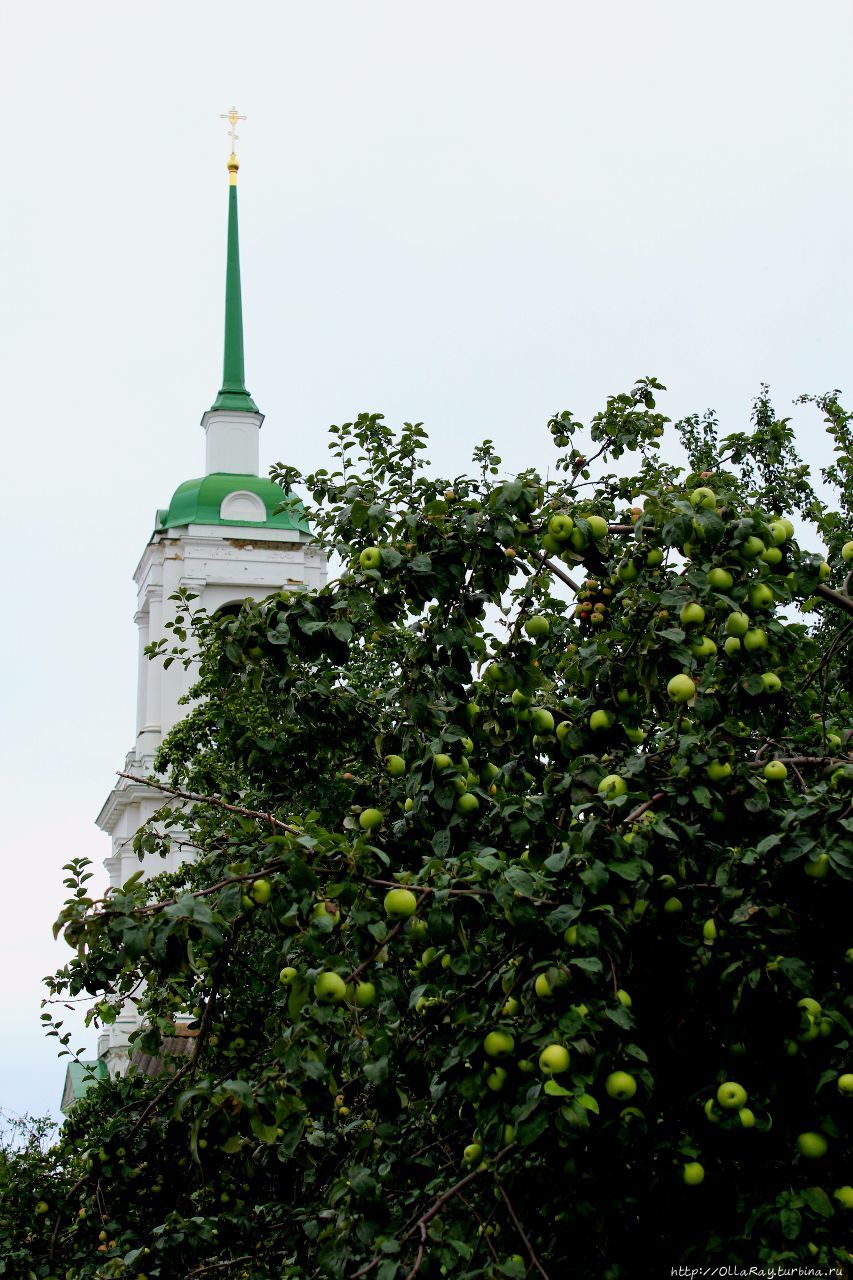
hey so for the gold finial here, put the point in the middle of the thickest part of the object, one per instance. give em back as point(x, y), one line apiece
point(232, 117)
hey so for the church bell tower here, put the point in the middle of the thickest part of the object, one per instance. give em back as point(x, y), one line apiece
point(222, 538)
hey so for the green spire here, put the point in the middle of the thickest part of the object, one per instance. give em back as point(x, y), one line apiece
point(233, 393)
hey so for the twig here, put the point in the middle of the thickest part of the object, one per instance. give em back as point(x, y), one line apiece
point(364, 964)
point(520, 1229)
point(231, 1262)
point(204, 1027)
point(464, 994)
point(795, 760)
point(613, 975)
point(214, 800)
point(829, 655)
point(420, 1254)
point(641, 808)
point(420, 1223)
point(557, 572)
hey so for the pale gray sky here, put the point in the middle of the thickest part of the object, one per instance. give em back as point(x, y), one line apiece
point(471, 213)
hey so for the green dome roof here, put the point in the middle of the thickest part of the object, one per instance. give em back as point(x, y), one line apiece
point(200, 502)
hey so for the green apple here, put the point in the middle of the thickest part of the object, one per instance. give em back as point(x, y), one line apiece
point(681, 688)
point(320, 911)
point(654, 558)
point(537, 626)
point(511, 1007)
point(472, 1154)
point(709, 930)
point(598, 527)
point(578, 541)
point(496, 1079)
point(554, 1060)
point(542, 987)
point(635, 735)
point(772, 683)
point(600, 720)
point(845, 1084)
point(731, 1096)
point(498, 1044)
point(261, 891)
point(570, 937)
point(542, 720)
point(711, 1111)
point(746, 1117)
point(818, 868)
point(467, 804)
point(408, 804)
point(624, 999)
point(692, 1174)
point(703, 497)
point(760, 595)
point(370, 819)
point(775, 771)
point(737, 623)
point(779, 531)
point(718, 770)
point(810, 1006)
point(288, 975)
point(720, 579)
point(560, 526)
point(627, 571)
point(673, 906)
point(771, 555)
point(441, 760)
point(400, 904)
point(519, 698)
point(620, 1085)
point(755, 639)
point(847, 552)
point(43, 1207)
point(752, 548)
point(691, 613)
point(361, 994)
point(329, 988)
point(612, 786)
point(812, 1145)
point(370, 558)
point(844, 1195)
point(732, 646)
point(823, 571)
point(395, 765)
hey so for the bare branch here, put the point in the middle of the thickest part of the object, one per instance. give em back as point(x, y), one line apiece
point(520, 1229)
point(274, 822)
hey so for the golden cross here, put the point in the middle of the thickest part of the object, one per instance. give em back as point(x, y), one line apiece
point(232, 116)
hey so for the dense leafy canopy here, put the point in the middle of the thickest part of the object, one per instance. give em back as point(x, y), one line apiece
point(516, 939)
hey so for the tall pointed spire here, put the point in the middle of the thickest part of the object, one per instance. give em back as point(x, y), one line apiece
point(233, 394)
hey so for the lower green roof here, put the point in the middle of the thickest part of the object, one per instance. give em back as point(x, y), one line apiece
point(199, 502)
point(82, 1075)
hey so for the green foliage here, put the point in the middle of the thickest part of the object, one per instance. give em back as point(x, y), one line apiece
point(664, 932)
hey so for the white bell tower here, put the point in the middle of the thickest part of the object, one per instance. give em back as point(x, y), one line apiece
point(222, 538)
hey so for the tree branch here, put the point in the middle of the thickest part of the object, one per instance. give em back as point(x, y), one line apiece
point(274, 822)
point(641, 808)
point(834, 597)
point(520, 1229)
point(190, 1065)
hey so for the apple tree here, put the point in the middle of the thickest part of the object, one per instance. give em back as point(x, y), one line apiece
point(518, 938)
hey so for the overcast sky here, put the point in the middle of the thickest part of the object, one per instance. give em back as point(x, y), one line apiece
point(470, 213)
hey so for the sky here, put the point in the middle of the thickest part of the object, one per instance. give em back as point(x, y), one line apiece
point(472, 214)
